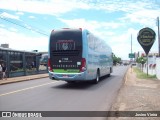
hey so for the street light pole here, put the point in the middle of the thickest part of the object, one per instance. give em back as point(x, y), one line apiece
point(131, 43)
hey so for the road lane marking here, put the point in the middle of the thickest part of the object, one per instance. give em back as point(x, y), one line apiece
point(27, 88)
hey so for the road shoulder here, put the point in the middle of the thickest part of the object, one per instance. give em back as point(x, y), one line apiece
point(137, 95)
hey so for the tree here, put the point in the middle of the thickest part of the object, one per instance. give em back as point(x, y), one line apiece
point(116, 60)
point(141, 60)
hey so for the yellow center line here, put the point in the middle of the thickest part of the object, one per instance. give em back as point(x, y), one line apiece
point(26, 88)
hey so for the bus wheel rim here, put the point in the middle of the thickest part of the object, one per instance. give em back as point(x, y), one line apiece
point(97, 79)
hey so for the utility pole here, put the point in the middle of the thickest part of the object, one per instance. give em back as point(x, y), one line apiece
point(158, 37)
point(131, 54)
point(131, 43)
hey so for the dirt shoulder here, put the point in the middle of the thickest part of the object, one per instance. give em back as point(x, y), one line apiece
point(137, 95)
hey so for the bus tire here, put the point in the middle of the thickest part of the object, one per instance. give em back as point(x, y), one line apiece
point(109, 72)
point(70, 82)
point(97, 77)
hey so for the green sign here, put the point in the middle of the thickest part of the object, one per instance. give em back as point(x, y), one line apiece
point(131, 55)
point(146, 38)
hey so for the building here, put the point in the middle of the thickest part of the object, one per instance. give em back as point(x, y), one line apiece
point(5, 45)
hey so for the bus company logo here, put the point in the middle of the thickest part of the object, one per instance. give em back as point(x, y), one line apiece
point(6, 114)
point(65, 46)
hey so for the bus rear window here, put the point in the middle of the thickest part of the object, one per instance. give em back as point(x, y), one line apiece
point(66, 39)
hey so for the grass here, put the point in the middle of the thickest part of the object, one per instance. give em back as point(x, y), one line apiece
point(142, 75)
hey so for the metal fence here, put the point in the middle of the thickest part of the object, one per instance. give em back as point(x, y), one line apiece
point(21, 63)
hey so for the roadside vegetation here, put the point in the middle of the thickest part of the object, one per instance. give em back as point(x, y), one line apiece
point(116, 60)
point(142, 75)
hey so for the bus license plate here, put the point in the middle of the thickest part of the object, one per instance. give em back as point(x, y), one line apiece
point(65, 76)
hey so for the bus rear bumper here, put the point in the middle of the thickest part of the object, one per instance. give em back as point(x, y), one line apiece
point(68, 76)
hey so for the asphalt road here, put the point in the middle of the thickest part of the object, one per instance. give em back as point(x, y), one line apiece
point(47, 95)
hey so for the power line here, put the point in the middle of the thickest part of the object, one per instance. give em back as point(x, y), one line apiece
point(5, 19)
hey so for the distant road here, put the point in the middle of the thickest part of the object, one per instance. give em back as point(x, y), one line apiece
point(47, 95)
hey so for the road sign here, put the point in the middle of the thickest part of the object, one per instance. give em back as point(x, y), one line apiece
point(146, 38)
point(131, 55)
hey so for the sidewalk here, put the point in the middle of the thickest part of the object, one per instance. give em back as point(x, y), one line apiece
point(23, 78)
point(137, 95)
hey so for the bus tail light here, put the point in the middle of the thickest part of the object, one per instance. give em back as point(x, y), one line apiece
point(83, 65)
point(49, 65)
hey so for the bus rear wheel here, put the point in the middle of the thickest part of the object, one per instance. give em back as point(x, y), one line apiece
point(70, 82)
point(97, 77)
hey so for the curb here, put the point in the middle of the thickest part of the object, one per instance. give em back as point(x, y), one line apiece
point(122, 85)
point(14, 80)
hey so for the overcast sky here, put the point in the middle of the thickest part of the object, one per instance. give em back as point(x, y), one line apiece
point(26, 24)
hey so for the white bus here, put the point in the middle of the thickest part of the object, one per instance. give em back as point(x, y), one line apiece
point(77, 55)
